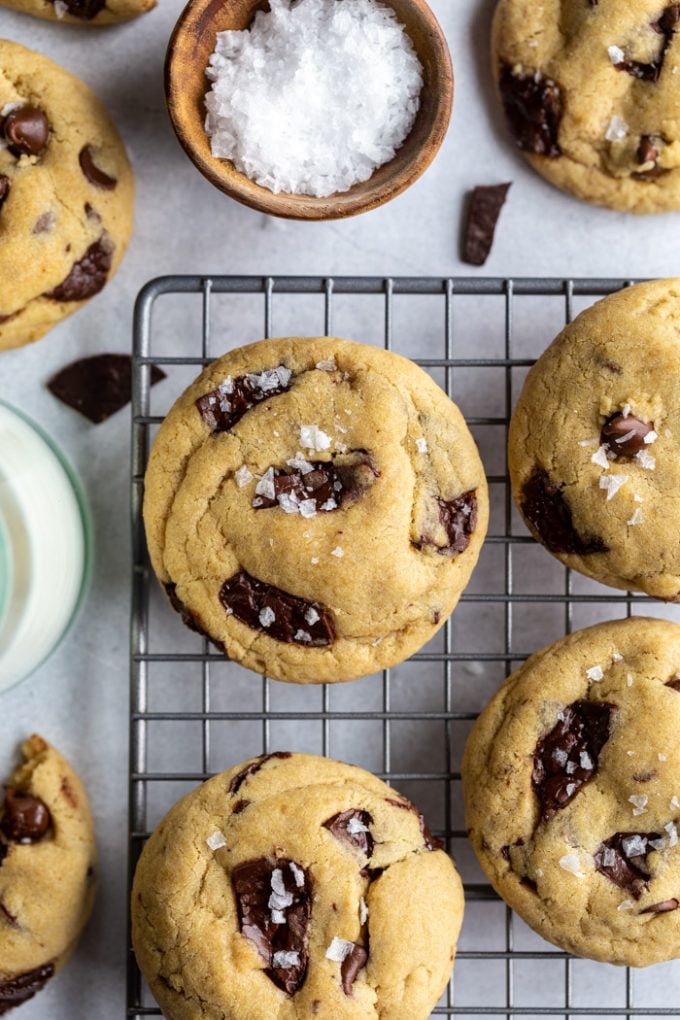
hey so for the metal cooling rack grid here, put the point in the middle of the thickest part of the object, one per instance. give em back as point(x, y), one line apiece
point(502, 968)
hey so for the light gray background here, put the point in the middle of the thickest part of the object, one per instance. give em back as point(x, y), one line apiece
point(79, 698)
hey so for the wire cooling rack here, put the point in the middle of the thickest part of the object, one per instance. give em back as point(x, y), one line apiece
point(193, 713)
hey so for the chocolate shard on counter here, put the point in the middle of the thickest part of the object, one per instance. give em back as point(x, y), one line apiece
point(98, 386)
point(484, 208)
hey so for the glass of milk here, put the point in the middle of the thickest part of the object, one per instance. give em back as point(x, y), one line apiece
point(45, 546)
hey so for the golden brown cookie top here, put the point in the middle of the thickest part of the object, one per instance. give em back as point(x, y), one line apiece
point(591, 92)
point(572, 790)
point(283, 888)
point(66, 194)
point(593, 443)
point(316, 506)
point(47, 880)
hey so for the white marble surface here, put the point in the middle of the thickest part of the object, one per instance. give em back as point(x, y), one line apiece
point(79, 698)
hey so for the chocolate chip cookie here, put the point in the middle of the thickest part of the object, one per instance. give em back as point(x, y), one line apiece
point(66, 195)
point(283, 888)
point(571, 778)
point(315, 507)
point(47, 883)
point(593, 452)
point(82, 12)
point(591, 93)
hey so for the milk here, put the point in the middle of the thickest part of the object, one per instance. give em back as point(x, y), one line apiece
point(44, 546)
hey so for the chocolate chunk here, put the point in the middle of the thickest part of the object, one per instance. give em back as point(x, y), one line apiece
point(639, 69)
point(26, 131)
point(350, 967)
point(274, 909)
point(648, 153)
point(4, 850)
point(533, 107)
point(548, 514)
point(25, 818)
point(5, 185)
point(566, 758)
point(664, 907)
point(88, 276)
point(674, 682)
point(44, 223)
point(240, 806)
point(459, 518)
point(644, 777)
point(92, 172)
point(85, 9)
point(18, 990)
point(255, 766)
point(293, 620)
point(328, 485)
point(98, 386)
point(667, 26)
point(625, 436)
point(92, 213)
point(351, 827)
point(623, 858)
point(222, 408)
point(10, 918)
point(484, 209)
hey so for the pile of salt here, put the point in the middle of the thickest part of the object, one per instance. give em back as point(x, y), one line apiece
point(315, 96)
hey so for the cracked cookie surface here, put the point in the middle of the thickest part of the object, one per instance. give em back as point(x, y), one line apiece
point(66, 195)
point(283, 888)
point(591, 93)
point(593, 442)
point(47, 879)
point(571, 778)
point(315, 506)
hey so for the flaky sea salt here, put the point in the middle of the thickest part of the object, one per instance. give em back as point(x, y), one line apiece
point(421, 444)
point(588, 442)
point(267, 616)
point(675, 803)
point(311, 616)
point(625, 905)
point(651, 437)
point(314, 438)
point(637, 518)
point(285, 958)
point(297, 873)
point(327, 365)
point(314, 96)
point(595, 673)
point(616, 55)
point(363, 911)
point(339, 949)
point(303, 636)
point(645, 460)
point(600, 457)
point(265, 486)
point(300, 463)
point(60, 8)
point(243, 476)
point(616, 131)
point(639, 802)
point(338, 552)
point(612, 484)
point(216, 841)
point(572, 864)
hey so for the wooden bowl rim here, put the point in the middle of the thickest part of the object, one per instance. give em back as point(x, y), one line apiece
point(232, 182)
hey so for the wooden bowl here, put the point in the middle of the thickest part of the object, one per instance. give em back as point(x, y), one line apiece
point(191, 44)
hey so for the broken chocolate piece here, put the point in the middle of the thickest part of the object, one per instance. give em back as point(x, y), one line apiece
point(674, 682)
point(222, 408)
point(240, 806)
point(274, 910)
point(25, 818)
point(255, 766)
point(328, 484)
point(85, 9)
point(549, 516)
point(350, 967)
point(352, 827)
point(5, 185)
point(286, 617)
point(459, 518)
point(623, 858)
point(88, 275)
point(484, 209)
point(26, 131)
point(4, 850)
point(533, 107)
point(92, 172)
point(664, 907)
point(625, 436)
point(18, 990)
point(99, 386)
point(667, 26)
point(566, 758)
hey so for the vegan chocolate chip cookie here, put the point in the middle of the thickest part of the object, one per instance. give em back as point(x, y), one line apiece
point(571, 779)
point(591, 92)
point(66, 195)
point(315, 507)
point(82, 12)
point(284, 888)
point(47, 884)
point(593, 443)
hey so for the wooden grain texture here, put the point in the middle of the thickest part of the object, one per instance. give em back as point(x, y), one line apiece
point(191, 44)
